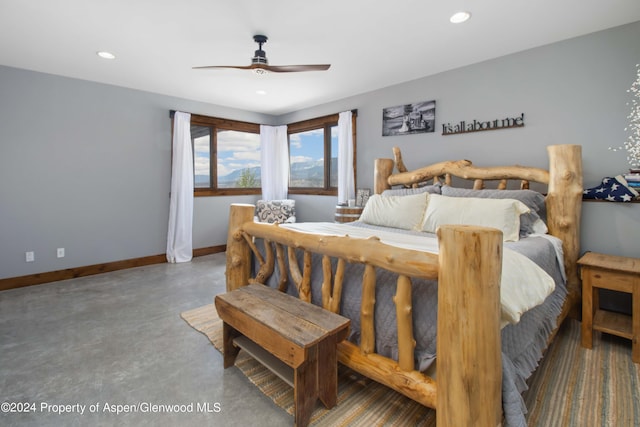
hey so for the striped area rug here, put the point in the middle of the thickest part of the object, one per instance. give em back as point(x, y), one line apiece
point(574, 386)
point(571, 387)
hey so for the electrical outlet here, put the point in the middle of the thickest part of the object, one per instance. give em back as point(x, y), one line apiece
point(60, 252)
point(30, 256)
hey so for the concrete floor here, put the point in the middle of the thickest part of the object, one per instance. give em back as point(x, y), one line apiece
point(118, 339)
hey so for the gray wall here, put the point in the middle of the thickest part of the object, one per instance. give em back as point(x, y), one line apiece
point(85, 166)
point(572, 92)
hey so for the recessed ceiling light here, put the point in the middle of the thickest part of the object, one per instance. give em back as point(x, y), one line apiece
point(105, 55)
point(459, 17)
point(261, 92)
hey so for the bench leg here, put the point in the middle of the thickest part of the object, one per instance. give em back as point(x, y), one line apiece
point(328, 372)
point(229, 351)
point(305, 388)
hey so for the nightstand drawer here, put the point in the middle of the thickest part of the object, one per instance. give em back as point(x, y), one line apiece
point(608, 279)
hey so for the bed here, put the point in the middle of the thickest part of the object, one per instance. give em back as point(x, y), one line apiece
point(400, 285)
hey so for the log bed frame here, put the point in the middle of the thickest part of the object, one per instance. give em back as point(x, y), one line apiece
point(468, 390)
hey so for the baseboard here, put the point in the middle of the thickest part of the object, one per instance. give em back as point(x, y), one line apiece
point(209, 250)
point(70, 273)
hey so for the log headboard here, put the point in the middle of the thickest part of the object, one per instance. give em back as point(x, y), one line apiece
point(563, 180)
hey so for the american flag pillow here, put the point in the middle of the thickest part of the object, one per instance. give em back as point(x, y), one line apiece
point(611, 189)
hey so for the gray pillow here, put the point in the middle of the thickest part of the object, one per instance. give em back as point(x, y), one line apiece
point(433, 189)
point(533, 199)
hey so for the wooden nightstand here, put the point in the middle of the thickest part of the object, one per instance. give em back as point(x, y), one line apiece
point(599, 271)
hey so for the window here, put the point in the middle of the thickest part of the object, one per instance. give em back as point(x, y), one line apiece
point(226, 156)
point(313, 156)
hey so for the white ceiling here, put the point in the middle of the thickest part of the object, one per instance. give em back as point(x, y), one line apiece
point(370, 43)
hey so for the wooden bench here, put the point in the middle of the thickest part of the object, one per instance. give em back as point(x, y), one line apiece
point(294, 339)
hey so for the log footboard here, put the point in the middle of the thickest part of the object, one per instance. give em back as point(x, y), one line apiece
point(469, 367)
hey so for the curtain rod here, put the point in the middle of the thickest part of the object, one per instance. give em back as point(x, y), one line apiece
point(173, 112)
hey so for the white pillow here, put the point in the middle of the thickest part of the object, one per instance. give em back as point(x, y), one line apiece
point(503, 214)
point(404, 212)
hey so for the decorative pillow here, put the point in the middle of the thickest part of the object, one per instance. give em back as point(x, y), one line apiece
point(280, 211)
point(404, 212)
point(530, 223)
point(503, 214)
point(432, 189)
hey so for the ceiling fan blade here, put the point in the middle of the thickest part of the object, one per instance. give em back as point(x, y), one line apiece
point(260, 64)
point(296, 68)
point(241, 67)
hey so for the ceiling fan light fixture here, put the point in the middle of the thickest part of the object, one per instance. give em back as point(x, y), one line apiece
point(259, 71)
point(460, 17)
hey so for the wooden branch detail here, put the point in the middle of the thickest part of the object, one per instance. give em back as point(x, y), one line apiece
point(238, 252)
point(337, 286)
point(247, 238)
point(294, 268)
point(414, 384)
point(404, 314)
point(327, 281)
point(384, 177)
point(282, 268)
point(266, 267)
point(465, 169)
point(397, 156)
point(332, 285)
point(383, 168)
point(394, 259)
point(304, 290)
point(367, 329)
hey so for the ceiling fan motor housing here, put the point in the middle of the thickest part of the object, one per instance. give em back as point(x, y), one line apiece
point(259, 57)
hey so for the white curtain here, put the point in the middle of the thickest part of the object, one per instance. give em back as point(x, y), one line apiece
point(274, 153)
point(179, 238)
point(346, 179)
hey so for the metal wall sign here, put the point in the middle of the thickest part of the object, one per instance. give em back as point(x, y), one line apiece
point(478, 126)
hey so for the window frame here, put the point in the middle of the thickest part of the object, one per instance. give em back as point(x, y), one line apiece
point(217, 124)
point(325, 123)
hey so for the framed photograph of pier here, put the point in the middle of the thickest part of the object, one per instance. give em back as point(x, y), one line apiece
point(419, 117)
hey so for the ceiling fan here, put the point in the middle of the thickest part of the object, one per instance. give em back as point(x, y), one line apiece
point(260, 64)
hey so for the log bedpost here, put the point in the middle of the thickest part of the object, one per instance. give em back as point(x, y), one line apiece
point(383, 168)
point(564, 207)
point(238, 251)
point(469, 358)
